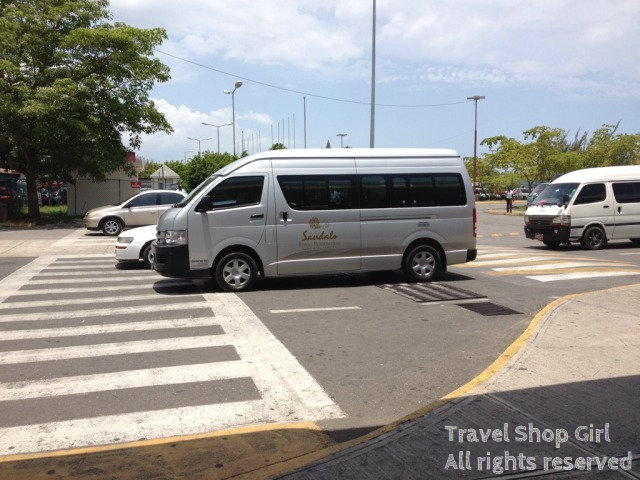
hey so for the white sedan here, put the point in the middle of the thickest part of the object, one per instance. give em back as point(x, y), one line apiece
point(135, 245)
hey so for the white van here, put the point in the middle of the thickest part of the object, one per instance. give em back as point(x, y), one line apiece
point(299, 212)
point(593, 206)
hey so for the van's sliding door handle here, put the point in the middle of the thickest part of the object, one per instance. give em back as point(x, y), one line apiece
point(256, 216)
point(284, 216)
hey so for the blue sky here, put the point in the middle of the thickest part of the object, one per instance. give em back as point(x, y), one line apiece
point(567, 64)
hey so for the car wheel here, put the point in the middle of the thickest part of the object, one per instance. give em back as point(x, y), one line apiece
point(147, 255)
point(236, 272)
point(422, 264)
point(112, 227)
point(593, 238)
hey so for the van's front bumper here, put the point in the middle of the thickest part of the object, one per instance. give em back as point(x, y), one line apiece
point(548, 233)
point(173, 261)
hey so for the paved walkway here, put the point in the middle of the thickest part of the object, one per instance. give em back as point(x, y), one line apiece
point(563, 401)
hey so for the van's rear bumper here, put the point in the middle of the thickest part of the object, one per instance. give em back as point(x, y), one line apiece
point(173, 261)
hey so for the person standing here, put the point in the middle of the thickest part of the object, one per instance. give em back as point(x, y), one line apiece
point(509, 197)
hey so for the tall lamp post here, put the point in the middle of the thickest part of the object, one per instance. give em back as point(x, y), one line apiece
point(218, 129)
point(236, 86)
point(185, 155)
point(199, 140)
point(341, 135)
point(475, 98)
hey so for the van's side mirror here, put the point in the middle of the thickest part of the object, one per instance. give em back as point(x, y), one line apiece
point(565, 199)
point(204, 205)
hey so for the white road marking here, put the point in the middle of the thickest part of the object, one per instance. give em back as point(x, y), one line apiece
point(107, 328)
point(119, 348)
point(278, 373)
point(202, 372)
point(555, 266)
point(505, 261)
point(89, 301)
point(303, 310)
point(289, 393)
point(100, 312)
point(109, 429)
point(96, 280)
point(579, 275)
point(166, 283)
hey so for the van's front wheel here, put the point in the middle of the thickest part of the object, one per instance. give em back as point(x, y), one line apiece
point(236, 272)
point(422, 264)
point(593, 238)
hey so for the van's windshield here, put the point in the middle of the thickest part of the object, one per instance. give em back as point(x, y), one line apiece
point(555, 192)
point(197, 190)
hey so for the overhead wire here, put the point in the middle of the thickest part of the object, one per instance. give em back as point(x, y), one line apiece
point(299, 92)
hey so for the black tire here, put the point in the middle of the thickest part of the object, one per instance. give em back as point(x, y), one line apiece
point(236, 272)
point(593, 238)
point(551, 243)
point(146, 252)
point(111, 226)
point(422, 264)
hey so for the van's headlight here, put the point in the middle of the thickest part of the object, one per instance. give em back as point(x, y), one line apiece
point(124, 240)
point(171, 237)
point(561, 221)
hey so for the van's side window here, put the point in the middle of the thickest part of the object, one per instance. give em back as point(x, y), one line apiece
point(627, 192)
point(237, 192)
point(449, 190)
point(373, 191)
point(318, 192)
point(591, 193)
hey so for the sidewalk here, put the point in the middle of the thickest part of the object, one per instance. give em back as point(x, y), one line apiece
point(565, 395)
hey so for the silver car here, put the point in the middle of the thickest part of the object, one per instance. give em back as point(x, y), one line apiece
point(142, 209)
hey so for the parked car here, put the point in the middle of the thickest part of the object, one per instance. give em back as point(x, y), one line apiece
point(135, 245)
point(144, 208)
point(535, 192)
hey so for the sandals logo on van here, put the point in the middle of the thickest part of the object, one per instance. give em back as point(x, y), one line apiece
point(322, 236)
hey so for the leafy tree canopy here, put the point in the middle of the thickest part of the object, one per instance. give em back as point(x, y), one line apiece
point(547, 152)
point(72, 86)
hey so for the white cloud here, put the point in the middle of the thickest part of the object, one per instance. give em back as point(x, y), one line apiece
point(544, 42)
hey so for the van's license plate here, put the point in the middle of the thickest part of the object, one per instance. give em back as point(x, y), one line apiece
point(539, 236)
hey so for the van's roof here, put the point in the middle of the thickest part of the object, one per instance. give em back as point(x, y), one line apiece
point(628, 172)
point(319, 153)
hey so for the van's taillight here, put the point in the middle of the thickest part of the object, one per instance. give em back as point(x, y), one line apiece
point(475, 223)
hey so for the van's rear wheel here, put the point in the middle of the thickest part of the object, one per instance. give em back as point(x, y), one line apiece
point(422, 264)
point(593, 238)
point(236, 272)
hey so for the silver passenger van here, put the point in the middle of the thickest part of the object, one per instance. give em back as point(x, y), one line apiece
point(300, 212)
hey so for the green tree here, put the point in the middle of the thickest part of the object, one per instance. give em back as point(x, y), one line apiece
point(72, 85)
point(202, 166)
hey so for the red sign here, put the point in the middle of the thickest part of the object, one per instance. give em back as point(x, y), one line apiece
point(136, 184)
point(131, 157)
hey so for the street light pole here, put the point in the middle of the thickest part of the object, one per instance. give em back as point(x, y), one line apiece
point(237, 85)
point(185, 155)
point(341, 135)
point(199, 140)
point(475, 98)
point(218, 129)
point(372, 126)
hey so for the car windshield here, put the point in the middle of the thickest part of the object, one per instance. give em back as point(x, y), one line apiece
point(555, 192)
point(196, 191)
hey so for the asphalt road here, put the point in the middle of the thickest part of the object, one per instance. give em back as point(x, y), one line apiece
point(108, 355)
